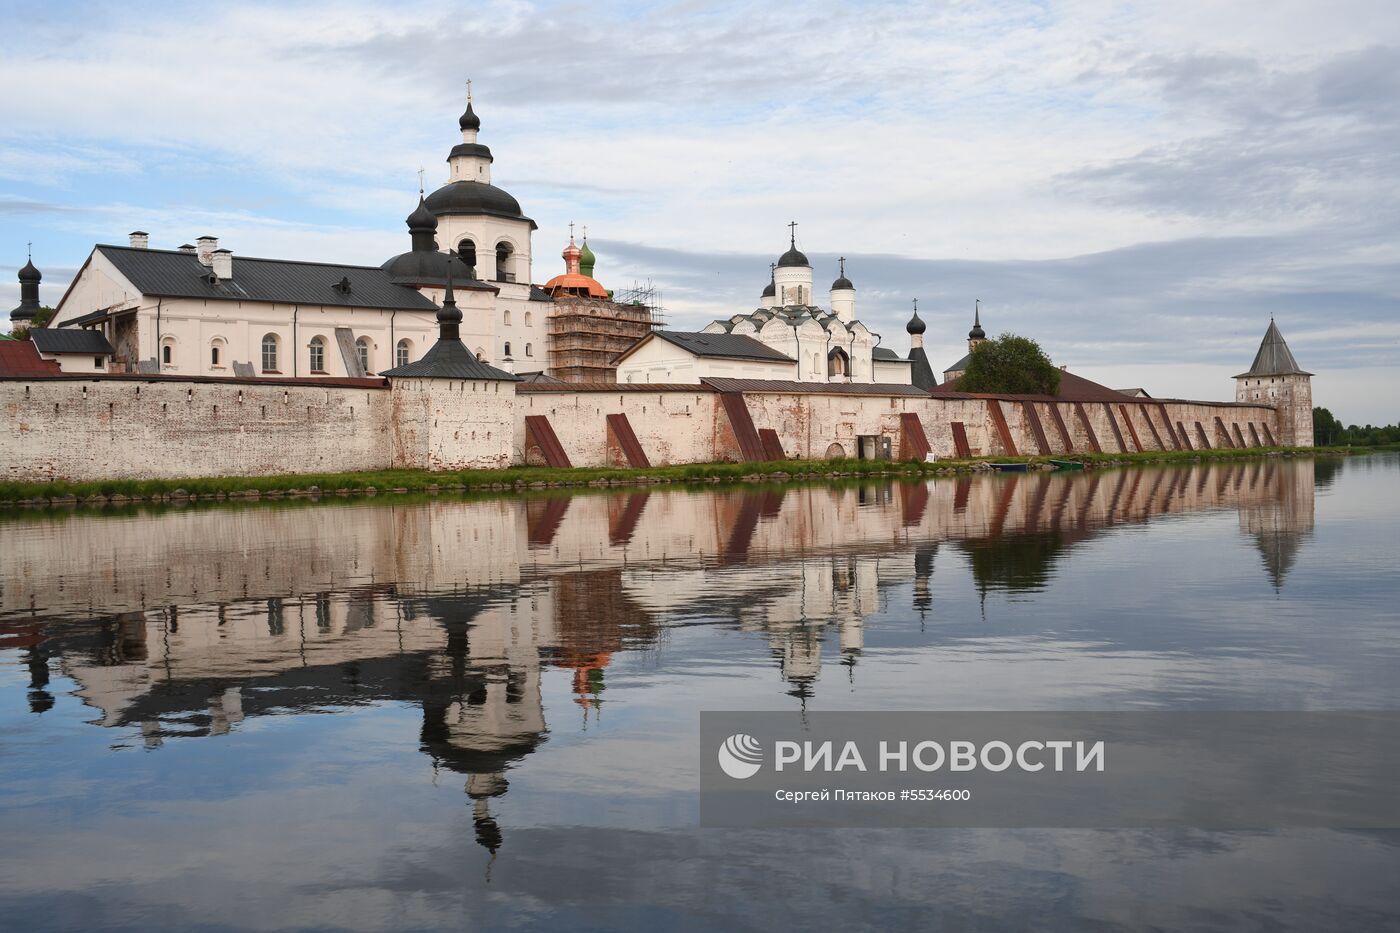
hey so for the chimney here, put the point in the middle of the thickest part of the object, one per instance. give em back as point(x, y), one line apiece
point(207, 245)
point(187, 248)
point(139, 239)
point(221, 261)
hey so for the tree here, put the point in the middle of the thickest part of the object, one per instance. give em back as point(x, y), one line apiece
point(1327, 430)
point(41, 318)
point(1010, 364)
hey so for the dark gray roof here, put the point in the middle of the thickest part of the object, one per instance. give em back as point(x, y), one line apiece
point(734, 346)
point(540, 377)
point(449, 359)
point(429, 267)
point(960, 366)
point(471, 149)
point(1274, 358)
point(173, 274)
point(887, 355)
point(473, 198)
point(50, 340)
point(790, 387)
point(539, 294)
point(89, 318)
point(922, 374)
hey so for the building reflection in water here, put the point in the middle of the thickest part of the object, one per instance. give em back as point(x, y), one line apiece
point(181, 624)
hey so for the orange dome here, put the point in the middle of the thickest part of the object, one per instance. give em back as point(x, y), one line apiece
point(575, 283)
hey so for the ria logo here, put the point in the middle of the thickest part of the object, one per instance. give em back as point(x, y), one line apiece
point(741, 756)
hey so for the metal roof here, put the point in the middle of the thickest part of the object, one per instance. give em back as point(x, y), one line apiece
point(887, 355)
point(174, 274)
point(731, 346)
point(449, 359)
point(789, 387)
point(21, 358)
point(50, 340)
point(1072, 389)
point(546, 387)
point(1274, 358)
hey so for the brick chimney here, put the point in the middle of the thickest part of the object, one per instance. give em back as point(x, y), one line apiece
point(207, 245)
point(139, 239)
point(221, 261)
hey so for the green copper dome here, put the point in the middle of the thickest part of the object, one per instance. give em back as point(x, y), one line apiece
point(586, 259)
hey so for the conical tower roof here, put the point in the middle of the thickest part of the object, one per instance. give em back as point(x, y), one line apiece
point(1274, 358)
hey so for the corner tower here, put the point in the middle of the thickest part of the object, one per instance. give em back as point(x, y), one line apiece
point(1277, 380)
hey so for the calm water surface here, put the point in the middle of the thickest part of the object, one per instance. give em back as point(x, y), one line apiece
point(479, 714)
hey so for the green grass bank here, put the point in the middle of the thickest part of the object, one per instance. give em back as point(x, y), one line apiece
point(116, 491)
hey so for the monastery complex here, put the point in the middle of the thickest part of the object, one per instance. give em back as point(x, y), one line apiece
point(195, 361)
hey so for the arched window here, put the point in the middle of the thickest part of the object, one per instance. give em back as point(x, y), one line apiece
point(318, 355)
point(167, 351)
point(481, 354)
point(528, 350)
point(403, 353)
point(466, 251)
point(504, 269)
point(269, 353)
point(527, 318)
point(216, 353)
point(507, 316)
point(837, 363)
point(362, 352)
point(507, 348)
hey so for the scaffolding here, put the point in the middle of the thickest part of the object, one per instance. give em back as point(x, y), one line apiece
point(587, 334)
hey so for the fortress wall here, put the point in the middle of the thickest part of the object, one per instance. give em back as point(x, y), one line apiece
point(453, 424)
point(808, 425)
point(673, 425)
point(80, 429)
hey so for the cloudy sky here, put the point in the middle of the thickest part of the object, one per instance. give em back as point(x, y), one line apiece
point(1136, 185)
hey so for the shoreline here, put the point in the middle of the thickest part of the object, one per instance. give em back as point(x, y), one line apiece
point(117, 492)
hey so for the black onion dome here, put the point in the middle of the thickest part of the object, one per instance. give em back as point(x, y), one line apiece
point(29, 273)
point(469, 120)
point(422, 218)
point(426, 267)
point(841, 283)
point(793, 257)
point(916, 325)
point(770, 290)
point(474, 197)
point(977, 333)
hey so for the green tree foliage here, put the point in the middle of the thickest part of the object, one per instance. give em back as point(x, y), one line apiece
point(1329, 432)
point(41, 317)
point(1010, 364)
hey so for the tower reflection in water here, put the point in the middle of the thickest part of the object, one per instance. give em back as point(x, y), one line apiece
point(181, 624)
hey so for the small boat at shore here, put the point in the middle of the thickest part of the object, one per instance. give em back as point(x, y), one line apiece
point(1010, 467)
point(1067, 464)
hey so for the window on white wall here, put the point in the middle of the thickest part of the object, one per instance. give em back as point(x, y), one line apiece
point(527, 318)
point(269, 353)
point(403, 352)
point(167, 351)
point(507, 353)
point(528, 350)
point(362, 352)
point(216, 353)
point(318, 354)
point(507, 317)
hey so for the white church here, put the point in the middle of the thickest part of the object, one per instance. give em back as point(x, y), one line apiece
point(788, 337)
point(202, 310)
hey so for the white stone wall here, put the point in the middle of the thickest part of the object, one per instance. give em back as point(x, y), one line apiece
point(79, 429)
point(671, 426)
point(659, 360)
point(452, 424)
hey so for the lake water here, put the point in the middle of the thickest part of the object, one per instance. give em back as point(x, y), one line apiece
point(474, 714)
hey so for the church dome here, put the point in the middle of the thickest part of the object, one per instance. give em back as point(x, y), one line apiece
point(793, 257)
point(474, 197)
point(841, 283)
point(586, 260)
point(977, 333)
point(425, 267)
point(770, 290)
point(469, 120)
point(421, 218)
point(29, 273)
point(916, 325)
